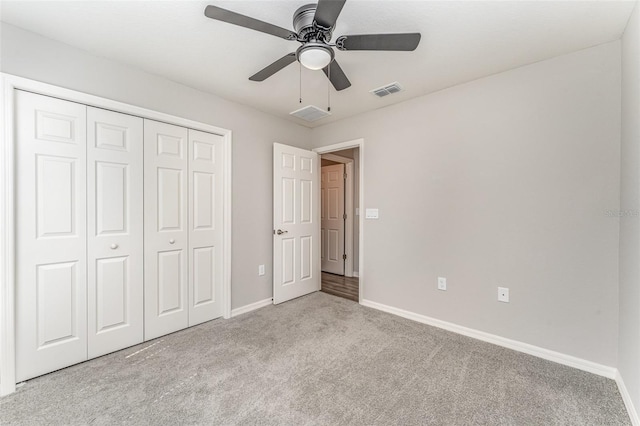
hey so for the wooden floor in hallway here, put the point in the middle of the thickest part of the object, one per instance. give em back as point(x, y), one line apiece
point(341, 286)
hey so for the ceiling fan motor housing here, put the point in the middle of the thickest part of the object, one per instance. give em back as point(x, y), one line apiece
point(303, 23)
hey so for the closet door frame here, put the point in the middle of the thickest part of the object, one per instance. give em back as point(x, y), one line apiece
point(8, 85)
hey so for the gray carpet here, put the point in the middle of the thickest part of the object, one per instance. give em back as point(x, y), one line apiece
point(317, 360)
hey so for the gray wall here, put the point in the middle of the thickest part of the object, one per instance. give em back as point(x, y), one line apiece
point(28, 55)
point(629, 333)
point(503, 181)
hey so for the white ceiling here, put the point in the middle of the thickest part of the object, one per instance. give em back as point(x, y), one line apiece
point(461, 41)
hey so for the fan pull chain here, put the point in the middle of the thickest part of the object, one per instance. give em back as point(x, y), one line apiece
point(329, 89)
point(300, 68)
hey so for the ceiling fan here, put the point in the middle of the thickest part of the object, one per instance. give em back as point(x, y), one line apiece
point(314, 24)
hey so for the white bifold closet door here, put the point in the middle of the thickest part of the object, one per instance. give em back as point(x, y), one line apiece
point(115, 234)
point(183, 228)
point(118, 235)
point(205, 226)
point(79, 233)
point(51, 260)
point(165, 227)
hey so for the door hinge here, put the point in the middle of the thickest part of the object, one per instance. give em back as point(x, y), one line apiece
point(344, 176)
point(344, 216)
point(344, 257)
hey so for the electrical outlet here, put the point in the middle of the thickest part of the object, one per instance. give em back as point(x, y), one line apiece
point(442, 283)
point(503, 294)
point(260, 269)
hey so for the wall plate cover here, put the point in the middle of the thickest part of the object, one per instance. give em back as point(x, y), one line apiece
point(442, 283)
point(503, 294)
point(371, 214)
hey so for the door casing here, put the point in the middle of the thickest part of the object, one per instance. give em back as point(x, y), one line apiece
point(356, 143)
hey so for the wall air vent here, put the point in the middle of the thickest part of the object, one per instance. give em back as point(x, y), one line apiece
point(387, 90)
point(310, 113)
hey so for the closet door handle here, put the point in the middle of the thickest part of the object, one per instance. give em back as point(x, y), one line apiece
point(114, 246)
point(171, 241)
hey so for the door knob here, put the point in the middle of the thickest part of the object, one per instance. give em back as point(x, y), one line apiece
point(114, 246)
point(280, 232)
point(171, 241)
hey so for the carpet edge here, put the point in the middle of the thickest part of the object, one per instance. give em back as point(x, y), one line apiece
point(549, 355)
point(626, 397)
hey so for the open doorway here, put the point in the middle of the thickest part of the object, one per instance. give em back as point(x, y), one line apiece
point(340, 222)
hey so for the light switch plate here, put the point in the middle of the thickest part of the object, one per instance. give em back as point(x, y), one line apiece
point(442, 283)
point(260, 269)
point(371, 214)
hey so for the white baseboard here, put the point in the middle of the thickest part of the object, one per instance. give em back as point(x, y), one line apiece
point(251, 307)
point(356, 274)
point(560, 358)
point(628, 402)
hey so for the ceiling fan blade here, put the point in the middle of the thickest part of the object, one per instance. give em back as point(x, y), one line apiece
point(401, 42)
point(274, 67)
point(230, 17)
point(336, 76)
point(327, 12)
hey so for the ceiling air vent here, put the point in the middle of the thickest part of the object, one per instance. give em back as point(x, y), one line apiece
point(387, 90)
point(310, 113)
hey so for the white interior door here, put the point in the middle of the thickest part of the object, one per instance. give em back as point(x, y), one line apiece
point(332, 219)
point(51, 261)
point(296, 243)
point(115, 238)
point(205, 226)
point(165, 228)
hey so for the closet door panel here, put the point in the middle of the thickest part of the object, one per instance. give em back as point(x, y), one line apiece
point(115, 230)
point(51, 275)
point(166, 228)
point(205, 227)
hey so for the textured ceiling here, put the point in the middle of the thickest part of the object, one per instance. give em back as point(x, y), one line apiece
point(461, 41)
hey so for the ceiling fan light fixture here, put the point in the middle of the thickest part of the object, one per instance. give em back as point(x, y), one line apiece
point(314, 24)
point(315, 56)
